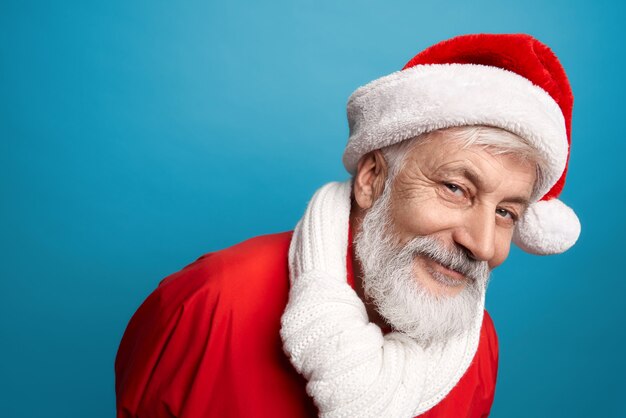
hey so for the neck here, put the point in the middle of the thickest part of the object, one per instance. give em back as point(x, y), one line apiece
point(356, 218)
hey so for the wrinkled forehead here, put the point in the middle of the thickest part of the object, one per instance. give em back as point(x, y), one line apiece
point(475, 151)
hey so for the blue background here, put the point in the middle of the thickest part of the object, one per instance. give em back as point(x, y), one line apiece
point(136, 136)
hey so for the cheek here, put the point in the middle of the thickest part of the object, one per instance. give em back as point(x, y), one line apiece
point(424, 217)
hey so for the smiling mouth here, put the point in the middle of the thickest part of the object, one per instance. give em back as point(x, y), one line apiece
point(446, 275)
point(450, 272)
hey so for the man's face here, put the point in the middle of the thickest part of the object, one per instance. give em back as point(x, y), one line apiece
point(427, 244)
point(467, 199)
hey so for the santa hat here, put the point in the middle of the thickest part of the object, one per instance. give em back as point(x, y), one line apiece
point(509, 81)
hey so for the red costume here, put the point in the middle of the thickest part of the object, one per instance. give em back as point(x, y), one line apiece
point(206, 343)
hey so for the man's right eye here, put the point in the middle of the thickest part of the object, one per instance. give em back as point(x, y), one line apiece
point(455, 189)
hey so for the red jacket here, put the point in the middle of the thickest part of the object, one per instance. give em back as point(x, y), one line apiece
point(206, 343)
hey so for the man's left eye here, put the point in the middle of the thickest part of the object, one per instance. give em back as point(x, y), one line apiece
point(506, 214)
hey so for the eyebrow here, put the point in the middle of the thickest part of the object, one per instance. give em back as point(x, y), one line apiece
point(475, 178)
point(518, 199)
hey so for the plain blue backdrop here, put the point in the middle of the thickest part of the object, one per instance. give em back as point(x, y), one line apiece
point(136, 136)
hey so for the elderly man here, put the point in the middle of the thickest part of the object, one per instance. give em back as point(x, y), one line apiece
point(374, 305)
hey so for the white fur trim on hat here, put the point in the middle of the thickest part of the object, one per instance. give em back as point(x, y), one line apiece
point(547, 227)
point(424, 98)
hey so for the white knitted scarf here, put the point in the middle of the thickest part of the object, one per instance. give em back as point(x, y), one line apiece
point(353, 370)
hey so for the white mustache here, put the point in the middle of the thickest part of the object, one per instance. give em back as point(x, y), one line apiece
point(452, 258)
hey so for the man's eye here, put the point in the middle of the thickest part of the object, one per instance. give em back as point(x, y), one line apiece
point(454, 189)
point(506, 214)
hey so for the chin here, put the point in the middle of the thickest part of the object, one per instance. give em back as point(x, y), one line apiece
point(439, 289)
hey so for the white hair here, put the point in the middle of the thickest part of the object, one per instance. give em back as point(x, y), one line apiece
point(498, 141)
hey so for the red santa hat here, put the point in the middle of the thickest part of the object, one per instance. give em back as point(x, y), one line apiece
point(509, 81)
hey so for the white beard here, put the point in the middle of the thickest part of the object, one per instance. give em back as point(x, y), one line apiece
point(389, 280)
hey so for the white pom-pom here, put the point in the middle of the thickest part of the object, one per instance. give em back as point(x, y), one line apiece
point(547, 227)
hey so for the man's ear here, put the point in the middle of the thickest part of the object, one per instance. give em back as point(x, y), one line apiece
point(369, 180)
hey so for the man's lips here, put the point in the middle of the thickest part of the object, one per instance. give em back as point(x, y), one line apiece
point(447, 271)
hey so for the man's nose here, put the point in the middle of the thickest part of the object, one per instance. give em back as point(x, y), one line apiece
point(478, 234)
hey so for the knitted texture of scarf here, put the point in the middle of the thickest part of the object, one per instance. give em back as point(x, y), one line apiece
point(353, 370)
